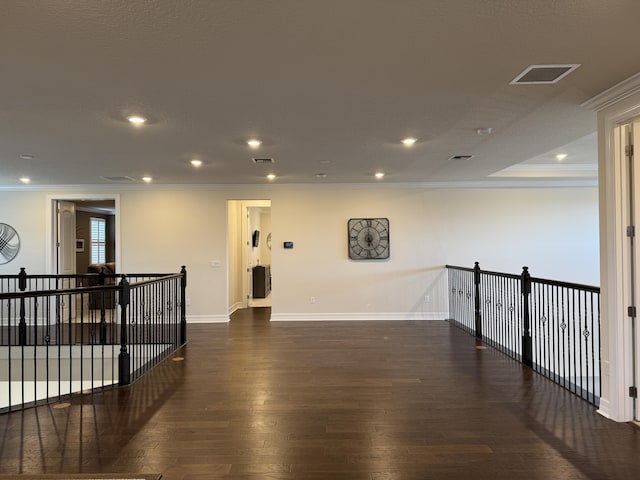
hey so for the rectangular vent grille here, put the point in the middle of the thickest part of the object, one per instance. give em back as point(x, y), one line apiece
point(543, 74)
point(123, 179)
point(262, 160)
point(461, 157)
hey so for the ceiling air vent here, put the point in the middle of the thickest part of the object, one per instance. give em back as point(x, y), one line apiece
point(543, 74)
point(461, 157)
point(122, 179)
point(262, 160)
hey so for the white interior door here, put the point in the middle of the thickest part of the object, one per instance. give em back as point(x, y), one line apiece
point(65, 247)
point(66, 237)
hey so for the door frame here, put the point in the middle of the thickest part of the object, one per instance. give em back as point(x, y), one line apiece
point(616, 107)
point(241, 232)
point(51, 256)
point(632, 134)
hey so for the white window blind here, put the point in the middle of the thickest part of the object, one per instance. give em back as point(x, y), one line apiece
point(98, 240)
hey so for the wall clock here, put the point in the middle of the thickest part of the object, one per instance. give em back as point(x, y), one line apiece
point(9, 243)
point(368, 238)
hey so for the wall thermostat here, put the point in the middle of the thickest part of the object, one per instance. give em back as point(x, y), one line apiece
point(288, 244)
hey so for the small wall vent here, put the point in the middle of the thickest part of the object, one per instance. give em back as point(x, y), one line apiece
point(263, 160)
point(543, 74)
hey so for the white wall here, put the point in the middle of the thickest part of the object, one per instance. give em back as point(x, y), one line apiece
point(553, 231)
point(265, 225)
point(25, 211)
point(255, 224)
point(164, 229)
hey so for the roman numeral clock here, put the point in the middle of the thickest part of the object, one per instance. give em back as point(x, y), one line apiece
point(368, 238)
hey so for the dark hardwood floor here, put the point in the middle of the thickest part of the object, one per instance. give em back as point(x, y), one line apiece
point(334, 400)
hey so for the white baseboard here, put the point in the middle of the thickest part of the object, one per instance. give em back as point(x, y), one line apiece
point(342, 317)
point(235, 306)
point(207, 319)
point(327, 317)
point(604, 409)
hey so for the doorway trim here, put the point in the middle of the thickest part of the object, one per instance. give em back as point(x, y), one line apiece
point(616, 107)
point(50, 237)
point(239, 255)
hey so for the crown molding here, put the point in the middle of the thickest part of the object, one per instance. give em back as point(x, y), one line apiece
point(545, 170)
point(615, 94)
point(248, 188)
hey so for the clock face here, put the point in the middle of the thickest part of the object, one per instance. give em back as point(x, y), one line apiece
point(9, 243)
point(368, 238)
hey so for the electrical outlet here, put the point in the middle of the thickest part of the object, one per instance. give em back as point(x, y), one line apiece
point(188, 302)
point(312, 299)
point(427, 299)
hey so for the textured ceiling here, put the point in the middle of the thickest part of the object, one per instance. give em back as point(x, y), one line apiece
point(329, 86)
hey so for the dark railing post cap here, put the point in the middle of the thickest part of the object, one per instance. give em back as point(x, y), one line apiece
point(525, 281)
point(22, 279)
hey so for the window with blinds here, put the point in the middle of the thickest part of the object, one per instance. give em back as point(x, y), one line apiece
point(98, 240)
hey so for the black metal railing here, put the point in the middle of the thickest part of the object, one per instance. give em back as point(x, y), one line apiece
point(550, 326)
point(59, 336)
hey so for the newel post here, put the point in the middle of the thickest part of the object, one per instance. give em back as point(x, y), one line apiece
point(527, 345)
point(476, 294)
point(183, 305)
point(124, 362)
point(22, 326)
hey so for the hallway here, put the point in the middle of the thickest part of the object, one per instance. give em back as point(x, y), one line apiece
point(375, 400)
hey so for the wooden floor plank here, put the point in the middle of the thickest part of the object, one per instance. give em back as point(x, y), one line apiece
point(342, 400)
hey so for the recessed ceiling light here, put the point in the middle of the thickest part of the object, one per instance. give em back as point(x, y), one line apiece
point(147, 179)
point(136, 119)
point(484, 130)
point(379, 174)
point(409, 141)
point(196, 163)
point(25, 179)
point(254, 143)
point(26, 156)
point(561, 156)
point(271, 176)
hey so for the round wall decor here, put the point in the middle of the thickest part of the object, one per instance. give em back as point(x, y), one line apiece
point(9, 243)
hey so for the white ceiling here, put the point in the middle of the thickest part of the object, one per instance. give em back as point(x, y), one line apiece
point(329, 86)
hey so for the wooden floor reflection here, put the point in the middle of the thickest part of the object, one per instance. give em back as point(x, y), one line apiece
point(327, 400)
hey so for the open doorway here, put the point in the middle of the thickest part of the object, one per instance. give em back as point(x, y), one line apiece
point(82, 231)
point(249, 252)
